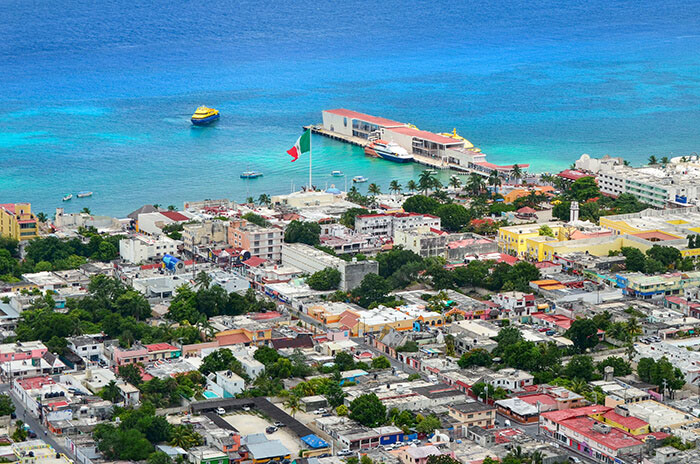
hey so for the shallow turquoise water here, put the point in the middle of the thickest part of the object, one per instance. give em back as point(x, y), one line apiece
point(99, 97)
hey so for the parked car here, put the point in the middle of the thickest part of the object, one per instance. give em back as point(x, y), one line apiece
point(574, 460)
point(220, 411)
point(320, 411)
point(344, 452)
point(280, 424)
point(31, 433)
point(271, 429)
point(551, 332)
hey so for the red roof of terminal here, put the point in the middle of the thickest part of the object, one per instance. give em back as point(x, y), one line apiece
point(175, 216)
point(570, 174)
point(160, 347)
point(421, 134)
point(497, 167)
point(365, 117)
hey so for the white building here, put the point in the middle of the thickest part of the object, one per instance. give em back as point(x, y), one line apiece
point(226, 384)
point(510, 379)
point(140, 248)
point(311, 260)
point(356, 124)
point(675, 184)
point(89, 348)
point(152, 223)
point(386, 225)
point(596, 165)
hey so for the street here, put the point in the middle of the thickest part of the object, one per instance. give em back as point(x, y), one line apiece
point(33, 422)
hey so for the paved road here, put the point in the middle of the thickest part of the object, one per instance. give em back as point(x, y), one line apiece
point(34, 423)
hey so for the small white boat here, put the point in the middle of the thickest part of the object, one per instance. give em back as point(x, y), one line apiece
point(359, 179)
point(84, 194)
point(251, 174)
point(337, 173)
point(67, 197)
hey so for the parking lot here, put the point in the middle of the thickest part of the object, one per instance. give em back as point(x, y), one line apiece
point(248, 423)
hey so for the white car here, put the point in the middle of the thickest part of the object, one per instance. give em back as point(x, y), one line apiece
point(220, 411)
point(344, 452)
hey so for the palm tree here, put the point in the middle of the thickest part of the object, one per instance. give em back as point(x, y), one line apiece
point(172, 208)
point(395, 186)
point(475, 183)
point(85, 210)
point(203, 280)
point(264, 199)
point(441, 196)
point(664, 160)
point(516, 172)
point(41, 217)
point(455, 182)
point(250, 201)
point(536, 457)
point(156, 205)
point(411, 186)
point(579, 386)
point(426, 181)
point(684, 159)
point(374, 189)
point(293, 404)
point(111, 391)
point(494, 180)
point(653, 160)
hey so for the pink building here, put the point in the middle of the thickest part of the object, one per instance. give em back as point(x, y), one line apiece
point(21, 350)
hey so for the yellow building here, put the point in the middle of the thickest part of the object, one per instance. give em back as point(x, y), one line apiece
point(513, 240)
point(17, 221)
point(629, 424)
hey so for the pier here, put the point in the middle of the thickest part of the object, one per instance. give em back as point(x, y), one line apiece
point(351, 139)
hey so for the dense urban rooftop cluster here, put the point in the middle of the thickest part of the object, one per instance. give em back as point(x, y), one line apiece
point(505, 317)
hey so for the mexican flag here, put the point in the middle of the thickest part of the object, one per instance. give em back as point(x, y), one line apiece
point(303, 145)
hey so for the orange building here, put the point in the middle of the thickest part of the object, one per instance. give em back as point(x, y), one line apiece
point(263, 242)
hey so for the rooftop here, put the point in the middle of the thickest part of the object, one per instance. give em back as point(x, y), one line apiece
point(365, 117)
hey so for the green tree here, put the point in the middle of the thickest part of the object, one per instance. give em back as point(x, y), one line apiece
point(453, 217)
point(516, 172)
point(395, 186)
point(620, 366)
point(335, 395)
point(220, 360)
point(266, 355)
point(342, 410)
point(546, 231)
point(427, 181)
point(421, 204)
point(368, 410)
point(475, 357)
point(475, 183)
point(380, 362)
point(348, 217)
point(411, 186)
point(428, 424)
point(372, 289)
point(374, 189)
point(131, 373)
point(653, 160)
point(454, 182)
point(583, 189)
point(494, 180)
point(303, 232)
point(185, 437)
point(634, 259)
point(111, 392)
point(264, 199)
point(159, 457)
point(584, 334)
point(293, 404)
point(325, 279)
point(255, 219)
point(7, 407)
point(580, 366)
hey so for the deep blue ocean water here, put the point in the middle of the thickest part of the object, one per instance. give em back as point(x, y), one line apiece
point(97, 95)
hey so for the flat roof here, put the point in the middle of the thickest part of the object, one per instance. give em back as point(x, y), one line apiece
point(365, 117)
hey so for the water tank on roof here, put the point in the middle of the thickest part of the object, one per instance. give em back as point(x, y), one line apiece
point(173, 264)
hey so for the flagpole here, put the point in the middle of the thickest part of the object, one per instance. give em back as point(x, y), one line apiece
point(310, 183)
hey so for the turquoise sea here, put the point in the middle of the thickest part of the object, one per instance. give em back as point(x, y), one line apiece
point(97, 95)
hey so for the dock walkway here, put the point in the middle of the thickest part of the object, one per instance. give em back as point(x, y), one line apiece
point(318, 129)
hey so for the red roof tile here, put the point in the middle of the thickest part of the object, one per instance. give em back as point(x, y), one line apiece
point(571, 174)
point(161, 347)
point(175, 216)
point(629, 422)
point(365, 117)
point(254, 261)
